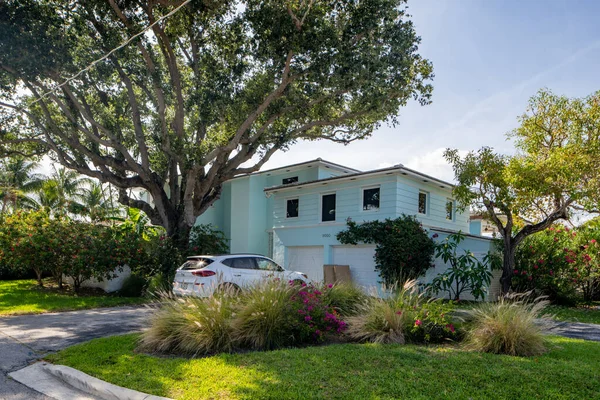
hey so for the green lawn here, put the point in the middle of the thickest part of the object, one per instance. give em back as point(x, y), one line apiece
point(25, 297)
point(590, 315)
point(571, 370)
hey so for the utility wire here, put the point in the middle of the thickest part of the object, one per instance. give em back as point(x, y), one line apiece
point(104, 57)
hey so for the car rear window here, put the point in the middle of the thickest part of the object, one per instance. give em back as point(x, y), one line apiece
point(196, 263)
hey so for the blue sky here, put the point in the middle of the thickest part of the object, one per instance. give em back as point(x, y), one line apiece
point(489, 57)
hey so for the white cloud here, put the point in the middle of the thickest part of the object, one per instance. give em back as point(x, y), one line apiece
point(433, 163)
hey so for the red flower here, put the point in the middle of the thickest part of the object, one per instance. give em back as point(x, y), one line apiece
point(450, 328)
point(535, 267)
point(399, 312)
point(418, 322)
point(593, 241)
point(516, 271)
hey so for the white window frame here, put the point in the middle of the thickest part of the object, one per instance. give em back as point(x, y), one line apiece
point(426, 202)
point(320, 215)
point(285, 206)
point(361, 198)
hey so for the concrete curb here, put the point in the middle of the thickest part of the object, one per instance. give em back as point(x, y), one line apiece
point(74, 379)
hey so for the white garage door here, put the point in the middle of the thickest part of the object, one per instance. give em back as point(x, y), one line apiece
point(306, 259)
point(361, 261)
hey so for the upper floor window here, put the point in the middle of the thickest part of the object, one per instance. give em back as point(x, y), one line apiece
point(287, 181)
point(292, 208)
point(422, 203)
point(371, 199)
point(450, 209)
point(328, 207)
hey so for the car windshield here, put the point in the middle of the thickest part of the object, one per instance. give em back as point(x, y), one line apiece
point(196, 263)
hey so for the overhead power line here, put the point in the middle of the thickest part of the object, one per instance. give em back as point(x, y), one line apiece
point(104, 57)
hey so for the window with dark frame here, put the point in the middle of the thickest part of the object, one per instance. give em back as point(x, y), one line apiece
point(328, 208)
point(371, 199)
point(449, 209)
point(292, 208)
point(422, 203)
point(287, 181)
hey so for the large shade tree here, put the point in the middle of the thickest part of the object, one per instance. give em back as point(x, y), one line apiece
point(208, 93)
point(554, 172)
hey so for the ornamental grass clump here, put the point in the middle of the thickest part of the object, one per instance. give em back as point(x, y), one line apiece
point(404, 316)
point(191, 326)
point(344, 297)
point(508, 326)
point(265, 318)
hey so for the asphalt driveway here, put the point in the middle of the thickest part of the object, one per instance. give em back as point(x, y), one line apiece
point(26, 338)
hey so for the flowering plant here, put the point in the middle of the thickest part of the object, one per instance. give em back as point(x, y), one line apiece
point(316, 320)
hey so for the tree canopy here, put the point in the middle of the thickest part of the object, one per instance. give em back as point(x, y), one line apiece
point(555, 171)
point(208, 93)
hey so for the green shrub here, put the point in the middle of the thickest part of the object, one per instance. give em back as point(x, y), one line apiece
point(191, 326)
point(465, 274)
point(133, 286)
point(403, 249)
point(346, 298)
point(508, 326)
point(403, 316)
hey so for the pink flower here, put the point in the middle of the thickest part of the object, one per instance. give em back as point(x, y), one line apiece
point(450, 328)
point(330, 286)
point(593, 241)
point(398, 312)
point(307, 318)
point(418, 322)
point(516, 271)
point(535, 267)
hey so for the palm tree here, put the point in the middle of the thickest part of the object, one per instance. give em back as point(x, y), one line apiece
point(63, 191)
point(98, 204)
point(17, 180)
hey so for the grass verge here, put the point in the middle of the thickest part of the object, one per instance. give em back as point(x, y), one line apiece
point(588, 315)
point(25, 297)
point(570, 370)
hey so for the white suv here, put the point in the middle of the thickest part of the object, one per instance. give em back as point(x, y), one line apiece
point(202, 275)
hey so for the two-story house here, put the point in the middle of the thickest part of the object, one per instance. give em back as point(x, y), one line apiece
point(293, 214)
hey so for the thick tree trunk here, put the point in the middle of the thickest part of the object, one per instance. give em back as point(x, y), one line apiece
point(179, 232)
point(508, 264)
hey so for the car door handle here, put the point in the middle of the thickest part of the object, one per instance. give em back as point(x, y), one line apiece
point(237, 274)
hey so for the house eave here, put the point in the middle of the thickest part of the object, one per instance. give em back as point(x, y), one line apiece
point(399, 169)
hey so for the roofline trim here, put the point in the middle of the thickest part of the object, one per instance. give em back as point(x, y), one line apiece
point(315, 161)
point(395, 169)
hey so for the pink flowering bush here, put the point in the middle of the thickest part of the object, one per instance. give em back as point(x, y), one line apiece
point(561, 263)
point(316, 319)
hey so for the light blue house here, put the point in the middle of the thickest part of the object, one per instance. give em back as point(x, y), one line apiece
point(293, 214)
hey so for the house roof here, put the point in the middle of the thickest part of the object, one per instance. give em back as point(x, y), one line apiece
point(325, 163)
point(383, 171)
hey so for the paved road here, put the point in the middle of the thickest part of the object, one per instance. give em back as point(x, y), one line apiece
point(24, 339)
point(575, 330)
